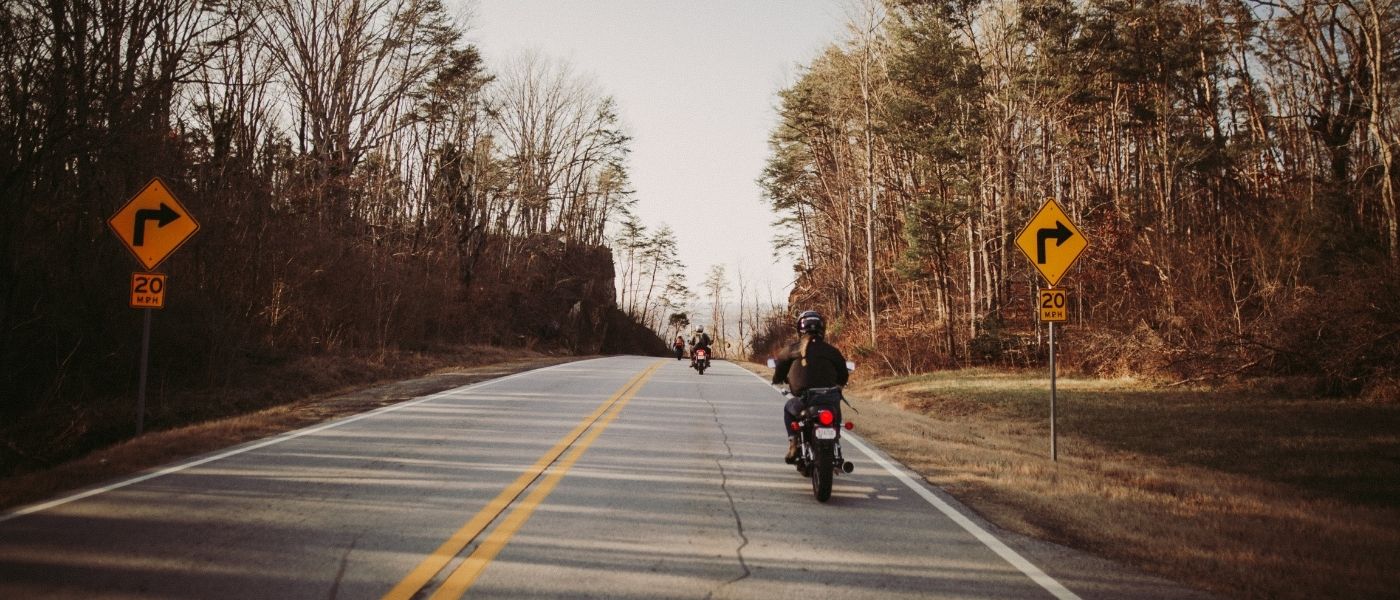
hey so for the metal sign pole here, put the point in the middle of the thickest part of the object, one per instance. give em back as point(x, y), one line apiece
point(1052, 243)
point(152, 224)
point(1053, 453)
point(141, 387)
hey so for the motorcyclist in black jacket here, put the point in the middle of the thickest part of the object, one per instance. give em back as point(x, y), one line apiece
point(809, 363)
point(700, 340)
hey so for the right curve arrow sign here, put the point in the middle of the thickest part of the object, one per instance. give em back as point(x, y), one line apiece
point(162, 216)
point(153, 224)
point(1060, 233)
point(1050, 223)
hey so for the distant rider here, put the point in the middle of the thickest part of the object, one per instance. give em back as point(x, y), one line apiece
point(809, 363)
point(679, 346)
point(698, 341)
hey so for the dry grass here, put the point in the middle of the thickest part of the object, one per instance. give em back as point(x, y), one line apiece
point(161, 447)
point(1250, 492)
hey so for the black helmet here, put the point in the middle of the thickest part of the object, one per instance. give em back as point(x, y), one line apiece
point(811, 322)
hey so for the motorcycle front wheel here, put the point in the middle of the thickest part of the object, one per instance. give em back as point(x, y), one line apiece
point(821, 474)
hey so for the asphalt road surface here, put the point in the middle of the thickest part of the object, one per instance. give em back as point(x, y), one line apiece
point(623, 477)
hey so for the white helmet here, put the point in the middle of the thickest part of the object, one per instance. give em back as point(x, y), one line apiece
point(699, 329)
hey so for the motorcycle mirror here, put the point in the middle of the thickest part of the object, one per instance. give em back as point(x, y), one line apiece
point(772, 364)
point(850, 365)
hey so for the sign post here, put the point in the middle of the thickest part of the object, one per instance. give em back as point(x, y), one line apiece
point(1054, 305)
point(141, 385)
point(147, 292)
point(152, 225)
point(1054, 453)
point(1050, 223)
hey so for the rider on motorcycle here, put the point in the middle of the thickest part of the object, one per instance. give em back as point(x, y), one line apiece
point(700, 340)
point(809, 363)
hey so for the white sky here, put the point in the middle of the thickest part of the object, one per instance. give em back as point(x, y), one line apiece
point(696, 83)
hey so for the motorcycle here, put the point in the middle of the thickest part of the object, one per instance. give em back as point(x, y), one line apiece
point(680, 352)
point(702, 360)
point(818, 427)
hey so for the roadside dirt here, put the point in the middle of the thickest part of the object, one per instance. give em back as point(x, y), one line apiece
point(161, 447)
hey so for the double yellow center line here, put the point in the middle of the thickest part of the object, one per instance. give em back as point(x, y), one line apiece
point(461, 578)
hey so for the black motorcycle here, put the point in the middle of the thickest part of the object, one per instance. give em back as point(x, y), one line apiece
point(680, 352)
point(702, 360)
point(818, 426)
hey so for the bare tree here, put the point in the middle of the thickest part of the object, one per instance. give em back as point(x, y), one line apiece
point(867, 28)
point(350, 66)
point(565, 147)
point(716, 284)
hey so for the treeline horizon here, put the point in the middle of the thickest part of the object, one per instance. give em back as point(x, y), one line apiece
point(1230, 161)
point(365, 184)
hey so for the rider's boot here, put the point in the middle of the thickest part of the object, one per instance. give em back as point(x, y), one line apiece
point(792, 451)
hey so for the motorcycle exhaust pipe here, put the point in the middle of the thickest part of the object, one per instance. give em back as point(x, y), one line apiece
point(848, 466)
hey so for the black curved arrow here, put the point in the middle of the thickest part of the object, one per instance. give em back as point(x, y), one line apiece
point(162, 217)
point(1060, 235)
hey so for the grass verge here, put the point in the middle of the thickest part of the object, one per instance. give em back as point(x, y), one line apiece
point(383, 386)
point(1247, 491)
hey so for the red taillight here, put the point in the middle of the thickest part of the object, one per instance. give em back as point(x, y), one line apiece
point(850, 425)
point(825, 417)
point(795, 426)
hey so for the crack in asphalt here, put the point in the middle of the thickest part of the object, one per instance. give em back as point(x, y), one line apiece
point(344, 559)
point(734, 508)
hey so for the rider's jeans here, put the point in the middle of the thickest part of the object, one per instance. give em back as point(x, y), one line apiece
point(790, 409)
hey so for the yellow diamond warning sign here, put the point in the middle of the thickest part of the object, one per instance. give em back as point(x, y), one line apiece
point(1051, 241)
point(153, 224)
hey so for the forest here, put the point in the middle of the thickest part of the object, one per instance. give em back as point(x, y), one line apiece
point(365, 185)
point(1231, 163)
point(368, 186)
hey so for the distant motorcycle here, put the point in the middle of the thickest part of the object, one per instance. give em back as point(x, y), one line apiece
point(818, 427)
point(680, 352)
point(702, 360)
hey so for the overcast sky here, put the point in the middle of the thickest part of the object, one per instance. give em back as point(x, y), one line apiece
point(696, 84)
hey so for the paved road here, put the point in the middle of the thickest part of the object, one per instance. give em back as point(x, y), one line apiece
point(621, 477)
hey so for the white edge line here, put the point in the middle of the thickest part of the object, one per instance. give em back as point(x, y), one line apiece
point(987, 539)
point(991, 541)
point(291, 435)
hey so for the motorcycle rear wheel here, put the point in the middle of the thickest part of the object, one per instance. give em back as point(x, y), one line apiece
point(821, 474)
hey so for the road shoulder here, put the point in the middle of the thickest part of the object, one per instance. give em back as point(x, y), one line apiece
point(1086, 574)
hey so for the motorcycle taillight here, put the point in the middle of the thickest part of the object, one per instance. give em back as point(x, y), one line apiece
point(825, 417)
